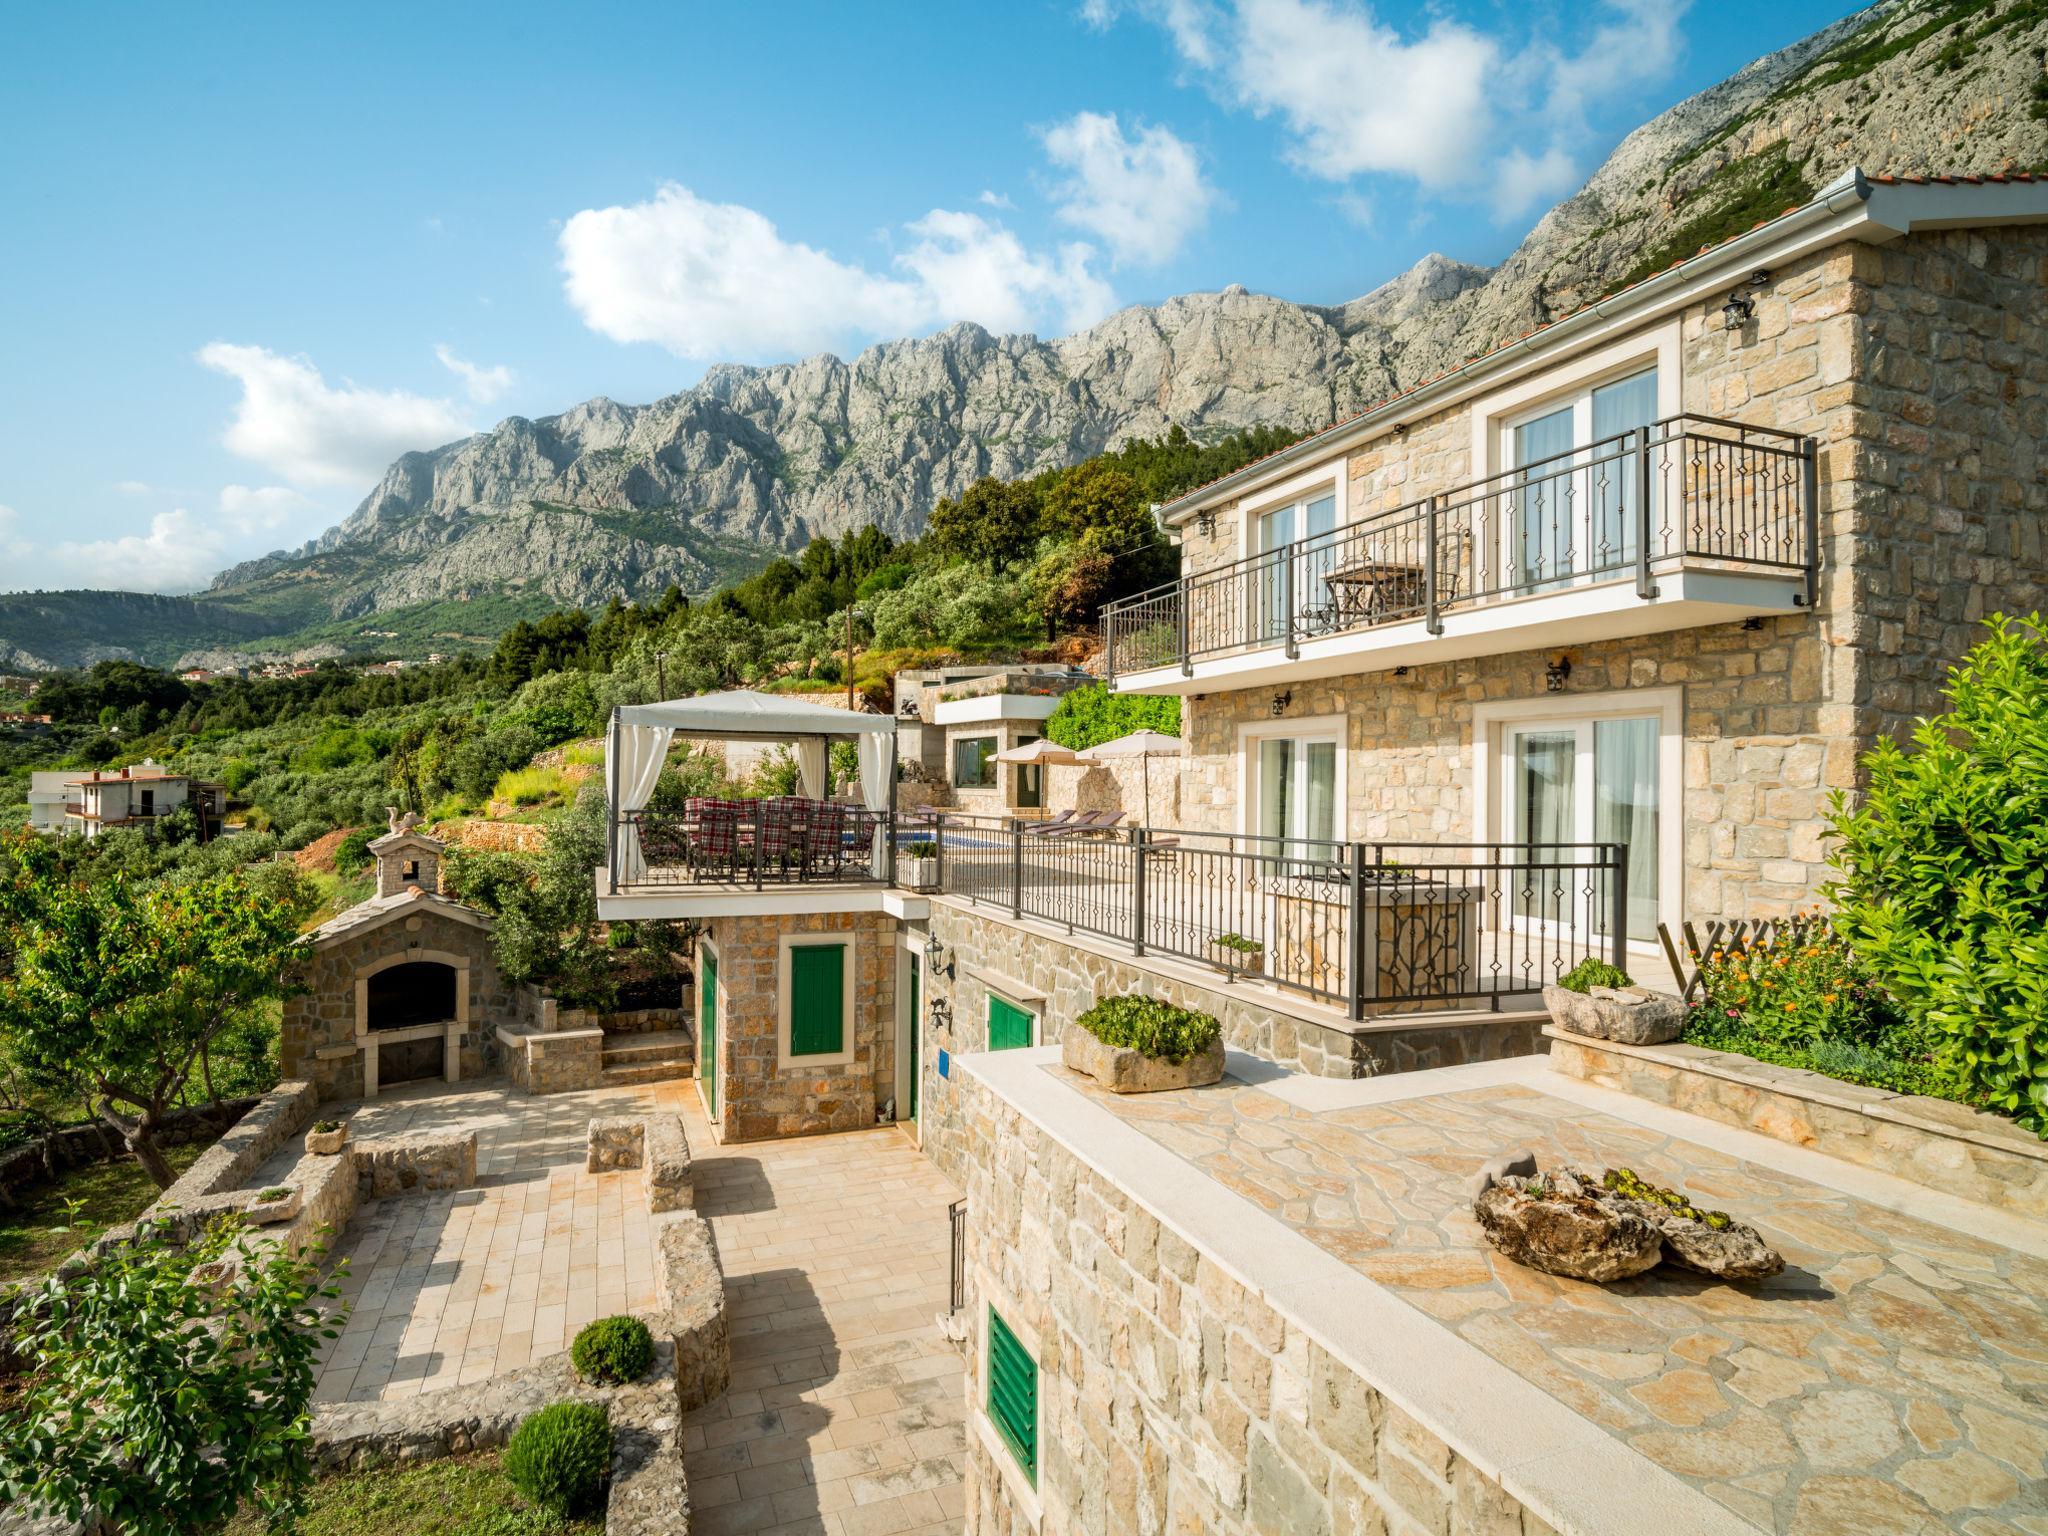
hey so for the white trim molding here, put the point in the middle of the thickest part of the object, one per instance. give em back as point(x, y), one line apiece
point(1657, 346)
point(785, 993)
point(1327, 476)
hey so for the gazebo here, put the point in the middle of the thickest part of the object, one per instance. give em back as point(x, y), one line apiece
point(639, 736)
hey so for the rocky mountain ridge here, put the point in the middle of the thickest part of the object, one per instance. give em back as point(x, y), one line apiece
point(609, 498)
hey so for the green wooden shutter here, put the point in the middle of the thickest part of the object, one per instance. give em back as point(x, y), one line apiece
point(817, 999)
point(707, 1029)
point(1009, 1027)
point(1013, 1394)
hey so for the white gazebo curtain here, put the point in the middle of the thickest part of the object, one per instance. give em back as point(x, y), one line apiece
point(811, 768)
point(635, 755)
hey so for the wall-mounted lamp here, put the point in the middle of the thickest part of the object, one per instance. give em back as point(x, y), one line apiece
point(1400, 671)
point(1555, 673)
point(1741, 307)
point(1753, 622)
point(941, 1014)
point(936, 961)
point(1280, 703)
point(1205, 523)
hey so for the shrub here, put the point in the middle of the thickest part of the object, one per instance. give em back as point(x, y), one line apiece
point(1590, 973)
point(1941, 887)
point(1091, 715)
point(923, 848)
point(613, 1350)
point(1151, 1027)
point(353, 851)
point(1237, 943)
point(560, 1457)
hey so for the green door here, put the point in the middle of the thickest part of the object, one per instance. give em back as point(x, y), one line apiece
point(707, 1028)
point(1009, 1027)
point(817, 1000)
point(916, 1010)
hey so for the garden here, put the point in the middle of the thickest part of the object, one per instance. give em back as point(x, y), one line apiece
point(1928, 973)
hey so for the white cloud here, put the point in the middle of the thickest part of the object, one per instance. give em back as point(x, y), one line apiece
point(1458, 110)
point(291, 420)
point(482, 384)
point(177, 554)
point(252, 509)
point(14, 548)
point(719, 281)
point(135, 488)
point(1143, 193)
point(993, 199)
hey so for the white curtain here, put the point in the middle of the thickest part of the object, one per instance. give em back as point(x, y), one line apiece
point(877, 767)
point(634, 758)
point(810, 766)
point(1625, 810)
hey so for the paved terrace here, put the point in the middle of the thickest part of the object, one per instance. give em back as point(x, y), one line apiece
point(845, 1413)
point(1894, 1378)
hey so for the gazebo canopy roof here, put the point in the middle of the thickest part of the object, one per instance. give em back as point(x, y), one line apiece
point(743, 712)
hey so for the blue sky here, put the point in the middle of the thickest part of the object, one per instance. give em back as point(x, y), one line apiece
point(248, 255)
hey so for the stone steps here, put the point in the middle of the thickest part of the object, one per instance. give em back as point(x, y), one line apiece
point(653, 1057)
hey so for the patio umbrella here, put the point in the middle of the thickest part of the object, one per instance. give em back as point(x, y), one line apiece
point(1144, 746)
point(1043, 750)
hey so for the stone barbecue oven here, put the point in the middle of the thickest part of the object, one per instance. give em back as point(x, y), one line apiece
point(402, 986)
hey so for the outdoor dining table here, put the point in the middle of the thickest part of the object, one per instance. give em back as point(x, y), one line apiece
point(1376, 590)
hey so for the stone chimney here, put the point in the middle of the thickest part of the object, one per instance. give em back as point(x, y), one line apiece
point(407, 859)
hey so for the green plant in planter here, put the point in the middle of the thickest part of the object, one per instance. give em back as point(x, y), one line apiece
point(326, 1127)
point(1237, 943)
point(923, 848)
point(612, 1350)
point(1590, 973)
point(1151, 1027)
point(274, 1193)
point(560, 1457)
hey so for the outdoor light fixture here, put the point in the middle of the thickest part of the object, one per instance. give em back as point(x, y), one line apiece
point(1555, 674)
point(1205, 523)
point(935, 961)
point(1753, 622)
point(1741, 307)
point(941, 1014)
point(1280, 703)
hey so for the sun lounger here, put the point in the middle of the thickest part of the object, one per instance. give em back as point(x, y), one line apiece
point(1048, 827)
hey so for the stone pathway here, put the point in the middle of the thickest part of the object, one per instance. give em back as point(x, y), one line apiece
point(846, 1415)
point(1895, 1377)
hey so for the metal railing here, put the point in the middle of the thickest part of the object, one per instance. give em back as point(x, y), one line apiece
point(1687, 489)
point(956, 1220)
point(758, 843)
point(1371, 927)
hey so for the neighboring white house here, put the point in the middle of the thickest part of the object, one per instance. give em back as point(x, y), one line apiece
point(142, 793)
point(47, 798)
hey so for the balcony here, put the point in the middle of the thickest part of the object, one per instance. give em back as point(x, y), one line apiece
point(1690, 521)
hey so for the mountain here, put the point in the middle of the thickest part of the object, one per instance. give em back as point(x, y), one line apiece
point(608, 498)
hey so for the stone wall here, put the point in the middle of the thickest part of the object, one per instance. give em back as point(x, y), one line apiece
point(758, 1097)
point(1921, 369)
point(318, 1035)
point(396, 1165)
point(558, 1061)
point(1174, 1399)
point(275, 1118)
point(1949, 1147)
point(1060, 979)
point(95, 1141)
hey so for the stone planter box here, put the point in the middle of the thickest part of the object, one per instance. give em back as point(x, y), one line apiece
point(1123, 1070)
point(327, 1143)
point(918, 874)
point(1628, 1015)
point(262, 1213)
point(1238, 962)
point(1949, 1147)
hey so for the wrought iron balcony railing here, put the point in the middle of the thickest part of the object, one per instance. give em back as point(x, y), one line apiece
point(1690, 490)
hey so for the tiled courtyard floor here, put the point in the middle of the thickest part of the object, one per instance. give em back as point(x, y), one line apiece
point(846, 1415)
point(1894, 1378)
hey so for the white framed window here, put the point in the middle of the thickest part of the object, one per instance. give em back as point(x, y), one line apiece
point(814, 1001)
point(1572, 500)
point(1292, 780)
point(1604, 768)
point(974, 761)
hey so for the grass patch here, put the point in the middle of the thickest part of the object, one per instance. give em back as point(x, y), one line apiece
point(35, 1236)
point(459, 1496)
point(533, 786)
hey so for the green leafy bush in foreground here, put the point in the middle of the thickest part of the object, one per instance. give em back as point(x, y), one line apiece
point(612, 1350)
point(1943, 888)
point(1151, 1027)
point(560, 1457)
point(1590, 973)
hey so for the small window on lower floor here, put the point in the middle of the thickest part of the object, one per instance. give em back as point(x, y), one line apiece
point(817, 999)
point(1013, 1393)
point(974, 762)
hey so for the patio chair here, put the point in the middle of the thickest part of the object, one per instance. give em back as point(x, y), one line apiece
point(715, 836)
point(780, 840)
point(824, 836)
point(1049, 826)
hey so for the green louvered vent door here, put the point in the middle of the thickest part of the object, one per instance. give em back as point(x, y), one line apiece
point(1013, 1393)
point(1009, 1027)
point(817, 1000)
point(707, 1030)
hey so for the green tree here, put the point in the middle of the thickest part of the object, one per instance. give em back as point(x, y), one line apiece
point(1099, 508)
point(994, 522)
point(1092, 714)
point(1943, 888)
point(126, 988)
point(168, 1385)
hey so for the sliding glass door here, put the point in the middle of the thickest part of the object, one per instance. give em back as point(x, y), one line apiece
point(1573, 513)
point(1588, 781)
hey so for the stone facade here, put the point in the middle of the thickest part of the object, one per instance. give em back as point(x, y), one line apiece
point(757, 1095)
point(655, 1143)
point(1172, 1398)
point(319, 1035)
point(1058, 978)
point(557, 1061)
point(1921, 370)
point(1946, 1146)
point(394, 1165)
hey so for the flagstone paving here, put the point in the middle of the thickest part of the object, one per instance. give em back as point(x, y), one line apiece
point(1895, 1377)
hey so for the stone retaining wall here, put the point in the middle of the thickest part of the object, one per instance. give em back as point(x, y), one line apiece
point(690, 1290)
point(274, 1119)
point(656, 1143)
point(1173, 1398)
point(557, 1061)
point(1949, 1147)
point(79, 1146)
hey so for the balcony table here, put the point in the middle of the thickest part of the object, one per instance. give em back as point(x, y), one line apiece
point(1375, 591)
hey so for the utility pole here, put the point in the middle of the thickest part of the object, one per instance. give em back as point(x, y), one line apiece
point(661, 675)
point(851, 610)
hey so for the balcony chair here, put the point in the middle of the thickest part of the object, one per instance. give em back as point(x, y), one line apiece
point(824, 840)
